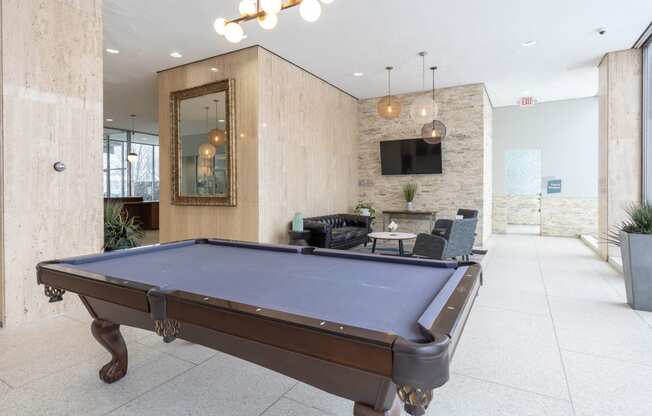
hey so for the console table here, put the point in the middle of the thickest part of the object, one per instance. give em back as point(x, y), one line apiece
point(430, 216)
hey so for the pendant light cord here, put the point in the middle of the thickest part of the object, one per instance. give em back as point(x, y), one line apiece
point(423, 71)
point(216, 113)
point(434, 68)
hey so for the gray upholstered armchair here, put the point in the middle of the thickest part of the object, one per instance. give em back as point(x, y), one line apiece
point(456, 240)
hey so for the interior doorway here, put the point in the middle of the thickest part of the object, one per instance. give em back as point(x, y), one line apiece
point(523, 189)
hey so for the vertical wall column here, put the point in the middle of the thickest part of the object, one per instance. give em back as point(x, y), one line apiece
point(620, 150)
point(51, 85)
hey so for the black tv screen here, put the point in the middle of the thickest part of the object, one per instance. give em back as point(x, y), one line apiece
point(409, 157)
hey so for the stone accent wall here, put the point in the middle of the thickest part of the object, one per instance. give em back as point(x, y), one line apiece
point(488, 165)
point(462, 184)
point(560, 217)
point(500, 214)
point(523, 210)
point(569, 217)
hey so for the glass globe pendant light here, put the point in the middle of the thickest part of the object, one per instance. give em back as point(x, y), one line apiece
point(247, 8)
point(310, 10)
point(268, 21)
point(220, 26)
point(271, 6)
point(233, 32)
point(433, 132)
point(423, 109)
point(388, 107)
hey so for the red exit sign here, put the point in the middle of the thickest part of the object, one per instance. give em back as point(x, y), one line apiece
point(527, 101)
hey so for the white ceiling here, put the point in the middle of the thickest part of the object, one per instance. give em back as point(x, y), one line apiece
point(471, 41)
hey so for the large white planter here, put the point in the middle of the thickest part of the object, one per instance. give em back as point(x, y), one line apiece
point(636, 250)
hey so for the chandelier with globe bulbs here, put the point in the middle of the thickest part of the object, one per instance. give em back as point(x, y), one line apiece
point(266, 13)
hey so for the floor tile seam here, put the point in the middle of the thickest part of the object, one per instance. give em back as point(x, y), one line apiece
point(554, 327)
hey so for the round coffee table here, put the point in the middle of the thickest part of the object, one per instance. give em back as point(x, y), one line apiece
point(400, 237)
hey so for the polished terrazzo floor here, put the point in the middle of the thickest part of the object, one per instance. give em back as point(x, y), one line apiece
point(550, 335)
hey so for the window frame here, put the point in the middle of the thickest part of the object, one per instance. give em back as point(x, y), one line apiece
point(647, 121)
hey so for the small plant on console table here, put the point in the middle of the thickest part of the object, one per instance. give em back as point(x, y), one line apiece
point(365, 209)
point(409, 192)
point(634, 236)
point(119, 231)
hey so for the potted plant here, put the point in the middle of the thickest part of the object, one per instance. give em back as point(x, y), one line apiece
point(409, 192)
point(119, 231)
point(365, 209)
point(634, 236)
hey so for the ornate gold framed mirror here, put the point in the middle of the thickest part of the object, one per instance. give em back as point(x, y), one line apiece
point(203, 145)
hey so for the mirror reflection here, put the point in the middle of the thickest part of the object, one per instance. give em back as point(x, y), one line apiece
point(203, 145)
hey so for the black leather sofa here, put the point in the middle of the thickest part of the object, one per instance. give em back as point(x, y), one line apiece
point(339, 231)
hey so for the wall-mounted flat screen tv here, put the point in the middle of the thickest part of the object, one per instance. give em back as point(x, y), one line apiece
point(409, 157)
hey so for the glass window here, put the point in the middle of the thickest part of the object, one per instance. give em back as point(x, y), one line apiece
point(647, 121)
point(137, 179)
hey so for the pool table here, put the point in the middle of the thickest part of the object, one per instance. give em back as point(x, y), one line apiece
point(377, 330)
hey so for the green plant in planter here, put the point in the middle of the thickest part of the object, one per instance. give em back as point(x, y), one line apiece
point(409, 191)
point(359, 209)
point(119, 231)
point(634, 236)
point(639, 222)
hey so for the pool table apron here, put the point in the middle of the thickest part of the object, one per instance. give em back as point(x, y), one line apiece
point(373, 388)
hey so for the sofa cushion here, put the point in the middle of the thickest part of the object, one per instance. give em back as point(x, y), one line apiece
point(348, 233)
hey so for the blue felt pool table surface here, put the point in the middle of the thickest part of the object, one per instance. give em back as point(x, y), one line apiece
point(398, 298)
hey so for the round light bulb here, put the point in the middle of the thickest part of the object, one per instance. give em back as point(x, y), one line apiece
point(268, 21)
point(220, 25)
point(233, 32)
point(206, 151)
point(216, 137)
point(247, 7)
point(271, 6)
point(423, 109)
point(310, 10)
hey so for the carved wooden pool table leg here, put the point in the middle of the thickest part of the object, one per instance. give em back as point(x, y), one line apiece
point(363, 410)
point(108, 334)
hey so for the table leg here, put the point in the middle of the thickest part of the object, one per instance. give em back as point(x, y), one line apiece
point(360, 409)
point(108, 335)
point(401, 252)
point(373, 246)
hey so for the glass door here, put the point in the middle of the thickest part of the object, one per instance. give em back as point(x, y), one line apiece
point(523, 189)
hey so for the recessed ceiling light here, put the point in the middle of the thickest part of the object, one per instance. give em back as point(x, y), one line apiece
point(109, 120)
point(176, 55)
point(358, 74)
point(113, 51)
point(214, 69)
point(529, 43)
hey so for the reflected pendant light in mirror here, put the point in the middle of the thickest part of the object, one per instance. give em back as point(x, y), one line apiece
point(389, 107)
point(206, 150)
point(423, 108)
point(132, 157)
point(433, 132)
point(216, 136)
